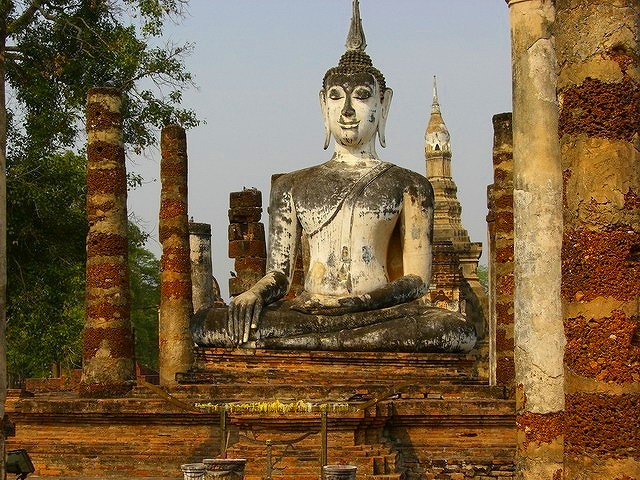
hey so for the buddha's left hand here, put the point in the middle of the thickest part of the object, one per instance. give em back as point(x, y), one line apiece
point(404, 289)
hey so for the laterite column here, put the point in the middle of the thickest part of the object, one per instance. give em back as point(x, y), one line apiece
point(537, 202)
point(108, 368)
point(176, 307)
point(501, 280)
point(598, 48)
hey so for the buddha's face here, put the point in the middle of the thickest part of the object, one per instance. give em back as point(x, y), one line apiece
point(353, 108)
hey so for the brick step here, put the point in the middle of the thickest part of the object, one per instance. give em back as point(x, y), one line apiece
point(320, 367)
point(255, 392)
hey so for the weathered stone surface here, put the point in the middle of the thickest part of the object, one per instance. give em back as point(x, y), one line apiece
point(599, 92)
point(176, 305)
point(108, 366)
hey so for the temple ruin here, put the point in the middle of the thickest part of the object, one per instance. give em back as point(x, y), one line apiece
point(552, 391)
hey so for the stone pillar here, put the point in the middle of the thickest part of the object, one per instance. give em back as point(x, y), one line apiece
point(537, 197)
point(501, 281)
point(246, 239)
point(599, 91)
point(108, 353)
point(203, 292)
point(176, 307)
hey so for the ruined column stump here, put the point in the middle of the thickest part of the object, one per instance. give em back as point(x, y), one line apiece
point(108, 352)
point(247, 243)
point(204, 290)
point(176, 307)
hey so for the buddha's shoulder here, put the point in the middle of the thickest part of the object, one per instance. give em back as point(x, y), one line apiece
point(297, 175)
point(411, 181)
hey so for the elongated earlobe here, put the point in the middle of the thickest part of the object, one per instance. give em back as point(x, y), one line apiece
point(386, 102)
point(325, 119)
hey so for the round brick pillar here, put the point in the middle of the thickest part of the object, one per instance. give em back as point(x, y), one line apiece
point(176, 307)
point(598, 43)
point(108, 352)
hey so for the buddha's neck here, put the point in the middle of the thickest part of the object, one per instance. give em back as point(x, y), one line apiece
point(349, 154)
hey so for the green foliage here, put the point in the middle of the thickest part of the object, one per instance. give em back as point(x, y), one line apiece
point(53, 52)
point(46, 236)
point(483, 275)
point(145, 297)
point(76, 45)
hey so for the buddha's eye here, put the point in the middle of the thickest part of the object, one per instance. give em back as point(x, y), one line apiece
point(362, 93)
point(335, 94)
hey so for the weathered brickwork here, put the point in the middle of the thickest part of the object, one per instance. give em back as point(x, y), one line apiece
point(600, 264)
point(446, 278)
point(540, 428)
point(603, 426)
point(604, 349)
point(176, 307)
point(599, 94)
point(500, 220)
point(108, 366)
point(247, 244)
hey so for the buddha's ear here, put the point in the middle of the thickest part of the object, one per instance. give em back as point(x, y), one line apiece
point(325, 118)
point(386, 102)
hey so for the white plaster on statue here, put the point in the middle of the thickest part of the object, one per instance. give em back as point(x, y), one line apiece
point(368, 228)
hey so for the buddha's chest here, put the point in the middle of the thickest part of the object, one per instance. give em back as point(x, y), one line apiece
point(348, 202)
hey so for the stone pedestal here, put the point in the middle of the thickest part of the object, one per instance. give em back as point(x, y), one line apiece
point(193, 471)
point(224, 468)
point(339, 472)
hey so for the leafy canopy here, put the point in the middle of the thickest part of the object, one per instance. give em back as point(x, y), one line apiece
point(52, 53)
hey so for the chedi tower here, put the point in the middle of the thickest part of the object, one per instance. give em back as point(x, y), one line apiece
point(455, 283)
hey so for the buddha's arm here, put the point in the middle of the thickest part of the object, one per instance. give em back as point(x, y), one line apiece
point(284, 234)
point(417, 232)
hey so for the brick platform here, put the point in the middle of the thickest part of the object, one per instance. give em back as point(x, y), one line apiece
point(393, 415)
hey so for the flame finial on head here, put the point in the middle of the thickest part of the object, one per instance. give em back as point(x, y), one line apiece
point(355, 59)
point(355, 37)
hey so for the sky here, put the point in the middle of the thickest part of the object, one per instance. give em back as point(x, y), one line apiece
point(259, 64)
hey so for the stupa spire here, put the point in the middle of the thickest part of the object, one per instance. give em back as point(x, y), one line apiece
point(355, 37)
point(435, 106)
point(437, 135)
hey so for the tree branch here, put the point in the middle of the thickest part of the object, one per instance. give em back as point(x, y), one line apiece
point(25, 19)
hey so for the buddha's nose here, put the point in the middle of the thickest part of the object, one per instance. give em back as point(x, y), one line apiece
point(347, 109)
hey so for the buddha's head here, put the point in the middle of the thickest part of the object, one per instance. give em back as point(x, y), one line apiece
point(354, 97)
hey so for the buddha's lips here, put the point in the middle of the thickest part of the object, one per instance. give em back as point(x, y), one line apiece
point(348, 125)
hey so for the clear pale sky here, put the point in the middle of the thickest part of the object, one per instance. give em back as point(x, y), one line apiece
point(259, 65)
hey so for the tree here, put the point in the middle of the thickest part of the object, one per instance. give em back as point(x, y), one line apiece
point(47, 231)
point(51, 53)
point(145, 297)
point(483, 276)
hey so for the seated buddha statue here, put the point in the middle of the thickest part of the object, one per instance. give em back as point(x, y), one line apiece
point(367, 227)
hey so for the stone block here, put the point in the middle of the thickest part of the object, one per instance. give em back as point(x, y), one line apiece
point(247, 248)
point(251, 197)
point(246, 231)
point(252, 264)
point(245, 214)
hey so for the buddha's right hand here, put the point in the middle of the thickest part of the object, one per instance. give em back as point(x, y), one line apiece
point(244, 313)
point(245, 309)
